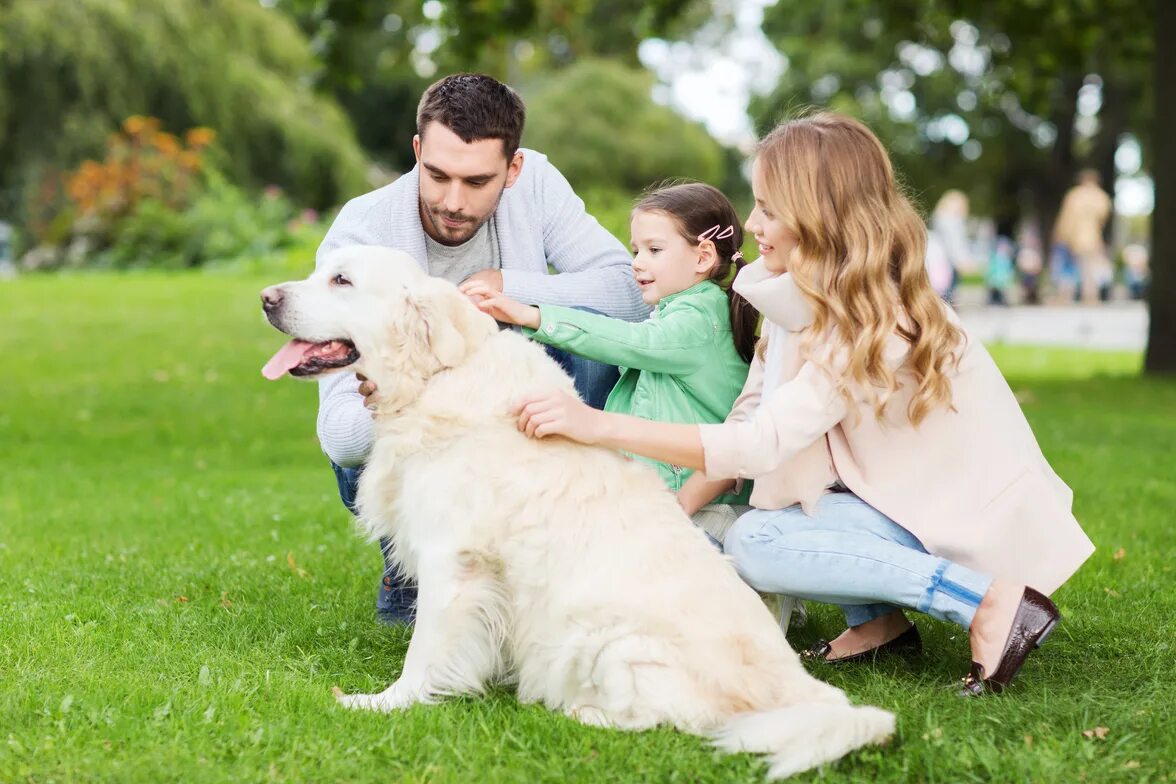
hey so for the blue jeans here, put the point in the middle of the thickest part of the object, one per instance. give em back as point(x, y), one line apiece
point(397, 595)
point(851, 555)
point(593, 380)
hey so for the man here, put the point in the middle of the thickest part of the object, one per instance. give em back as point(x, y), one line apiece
point(476, 207)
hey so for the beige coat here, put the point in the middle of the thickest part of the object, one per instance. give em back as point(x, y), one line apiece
point(1081, 219)
point(971, 483)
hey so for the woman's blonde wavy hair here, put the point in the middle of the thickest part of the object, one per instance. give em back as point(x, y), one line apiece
point(860, 257)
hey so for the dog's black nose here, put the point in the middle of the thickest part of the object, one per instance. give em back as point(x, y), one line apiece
point(271, 298)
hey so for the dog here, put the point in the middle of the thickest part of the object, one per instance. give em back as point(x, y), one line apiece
point(567, 570)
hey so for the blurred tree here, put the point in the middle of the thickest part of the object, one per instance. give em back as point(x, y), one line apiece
point(1161, 343)
point(379, 55)
point(489, 34)
point(979, 93)
point(598, 123)
point(1006, 98)
point(365, 54)
point(72, 70)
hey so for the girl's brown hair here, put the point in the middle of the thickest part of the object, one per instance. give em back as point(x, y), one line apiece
point(697, 208)
point(860, 257)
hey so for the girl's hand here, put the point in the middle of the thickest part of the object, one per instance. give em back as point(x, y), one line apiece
point(499, 306)
point(559, 414)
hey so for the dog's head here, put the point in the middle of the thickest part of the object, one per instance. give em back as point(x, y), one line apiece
point(375, 311)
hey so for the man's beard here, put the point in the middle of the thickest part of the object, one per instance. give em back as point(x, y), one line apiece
point(447, 235)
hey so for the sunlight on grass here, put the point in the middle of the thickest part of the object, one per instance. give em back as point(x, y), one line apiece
point(1064, 363)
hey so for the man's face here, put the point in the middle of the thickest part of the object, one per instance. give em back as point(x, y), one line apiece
point(460, 183)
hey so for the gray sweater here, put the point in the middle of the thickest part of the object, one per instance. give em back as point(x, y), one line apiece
point(540, 222)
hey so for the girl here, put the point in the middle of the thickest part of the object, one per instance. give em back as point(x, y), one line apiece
point(688, 362)
point(894, 467)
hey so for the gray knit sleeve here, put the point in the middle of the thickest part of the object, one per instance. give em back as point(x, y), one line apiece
point(595, 270)
point(345, 428)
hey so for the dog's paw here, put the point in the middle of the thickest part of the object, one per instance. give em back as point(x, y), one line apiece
point(384, 702)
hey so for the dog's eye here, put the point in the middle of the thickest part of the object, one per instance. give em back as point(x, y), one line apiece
point(339, 280)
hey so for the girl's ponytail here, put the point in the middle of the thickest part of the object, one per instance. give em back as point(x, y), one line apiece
point(744, 317)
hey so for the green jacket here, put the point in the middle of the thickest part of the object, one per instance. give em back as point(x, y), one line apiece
point(678, 366)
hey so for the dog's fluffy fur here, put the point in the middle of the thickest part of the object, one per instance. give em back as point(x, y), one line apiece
point(564, 568)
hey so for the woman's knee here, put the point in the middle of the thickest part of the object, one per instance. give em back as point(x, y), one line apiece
point(746, 544)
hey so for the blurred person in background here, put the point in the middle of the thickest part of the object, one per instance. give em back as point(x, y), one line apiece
point(947, 243)
point(1029, 261)
point(1135, 270)
point(1079, 231)
point(1001, 272)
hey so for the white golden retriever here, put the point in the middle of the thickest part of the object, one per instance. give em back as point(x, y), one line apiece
point(564, 568)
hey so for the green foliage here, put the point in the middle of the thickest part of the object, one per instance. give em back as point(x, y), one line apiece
point(484, 34)
point(365, 61)
point(223, 224)
point(373, 62)
point(71, 70)
point(597, 122)
point(180, 586)
point(154, 201)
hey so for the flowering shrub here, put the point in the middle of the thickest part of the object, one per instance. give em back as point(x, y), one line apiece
point(155, 201)
point(142, 162)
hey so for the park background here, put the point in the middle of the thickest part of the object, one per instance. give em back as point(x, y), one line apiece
point(179, 586)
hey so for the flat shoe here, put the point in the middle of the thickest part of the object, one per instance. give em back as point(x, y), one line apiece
point(907, 642)
point(1035, 619)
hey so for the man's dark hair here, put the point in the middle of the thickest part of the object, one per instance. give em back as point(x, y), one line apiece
point(475, 107)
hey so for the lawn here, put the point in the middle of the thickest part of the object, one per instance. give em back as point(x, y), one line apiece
point(180, 588)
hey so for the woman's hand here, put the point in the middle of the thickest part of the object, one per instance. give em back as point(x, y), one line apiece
point(499, 306)
point(559, 414)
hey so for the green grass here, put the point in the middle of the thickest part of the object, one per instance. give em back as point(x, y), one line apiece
point(180, 588)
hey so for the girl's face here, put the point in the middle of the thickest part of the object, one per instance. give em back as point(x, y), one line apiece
point(776, 243)
point(664, 263)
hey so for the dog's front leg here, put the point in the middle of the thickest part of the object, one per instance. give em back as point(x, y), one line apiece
point(456, 642)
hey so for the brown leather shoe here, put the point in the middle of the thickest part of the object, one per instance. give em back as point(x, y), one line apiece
point(1035, 619)
point(907, 642)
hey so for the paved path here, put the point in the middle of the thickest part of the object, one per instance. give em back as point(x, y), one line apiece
point(1117, 325)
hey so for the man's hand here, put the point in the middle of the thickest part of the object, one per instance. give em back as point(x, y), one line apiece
point(368, 390)
point(558, 414)
point(491, 279)
point(502, 307)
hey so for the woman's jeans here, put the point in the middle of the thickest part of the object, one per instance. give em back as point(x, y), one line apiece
point(851, 555)
point(396, 599)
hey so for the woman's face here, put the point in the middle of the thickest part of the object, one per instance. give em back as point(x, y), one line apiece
point(776, 243)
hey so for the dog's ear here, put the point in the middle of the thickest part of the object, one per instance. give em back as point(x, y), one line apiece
point(454, 327)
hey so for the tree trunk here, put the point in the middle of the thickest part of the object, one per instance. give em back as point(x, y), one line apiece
point(1113, 123)
point(1161, 338)
point(1061, 168)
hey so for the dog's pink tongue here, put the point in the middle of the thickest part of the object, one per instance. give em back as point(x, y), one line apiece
point(288, 356)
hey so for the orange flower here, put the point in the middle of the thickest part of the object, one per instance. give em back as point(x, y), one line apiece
point(135, 124)
point(189, 160)
point(165, 143)
point(200, 137)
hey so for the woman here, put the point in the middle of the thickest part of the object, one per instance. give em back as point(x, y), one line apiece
point(894, 469)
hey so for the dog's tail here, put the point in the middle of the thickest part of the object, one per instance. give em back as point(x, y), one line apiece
point(804, 736)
